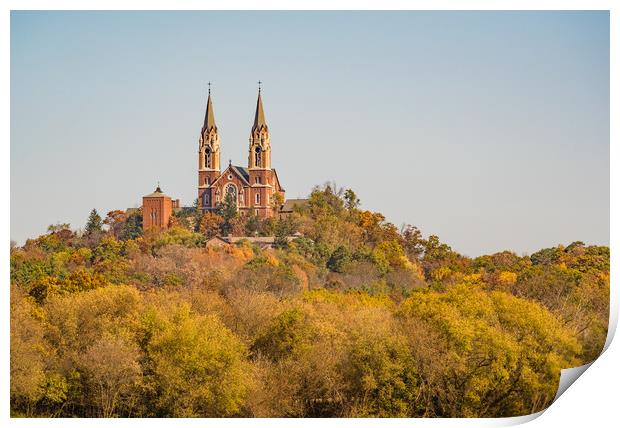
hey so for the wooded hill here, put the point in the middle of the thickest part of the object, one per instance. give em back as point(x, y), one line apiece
point(353, 318)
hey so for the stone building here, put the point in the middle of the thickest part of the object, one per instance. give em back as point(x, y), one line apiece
point(253, 188)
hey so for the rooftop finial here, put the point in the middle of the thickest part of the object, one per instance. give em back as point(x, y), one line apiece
point(209, 83)
point(259, 83)
point(229, 162)
point(158, 190)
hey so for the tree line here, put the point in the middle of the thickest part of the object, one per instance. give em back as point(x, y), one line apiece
point(353, 318)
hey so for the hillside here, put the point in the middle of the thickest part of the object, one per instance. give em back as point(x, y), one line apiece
point(354, 317)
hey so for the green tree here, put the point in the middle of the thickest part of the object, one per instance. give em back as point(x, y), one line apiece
point(284, 228)
point(228, 211)
point(94, 222)
point(252, 224)
point(351, 200)
point(197, 214)
point(132, 228)
point(339, 259)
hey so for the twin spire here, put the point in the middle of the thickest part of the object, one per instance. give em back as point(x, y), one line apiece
point(259, 116)
point(209, 116)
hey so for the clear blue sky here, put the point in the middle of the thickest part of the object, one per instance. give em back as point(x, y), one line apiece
point(489, 129)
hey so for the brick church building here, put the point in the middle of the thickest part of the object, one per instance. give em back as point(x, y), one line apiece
point(255, 189)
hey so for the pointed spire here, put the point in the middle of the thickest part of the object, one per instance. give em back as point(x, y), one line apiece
point(259, 116)
point(209, 115)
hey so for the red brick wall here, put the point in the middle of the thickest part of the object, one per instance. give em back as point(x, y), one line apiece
point(156, 211)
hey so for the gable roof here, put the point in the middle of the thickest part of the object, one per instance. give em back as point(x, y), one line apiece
point(242, 171)
point(239, 171)
point(215, 239)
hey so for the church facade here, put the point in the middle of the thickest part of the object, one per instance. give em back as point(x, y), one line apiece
point(255, 188)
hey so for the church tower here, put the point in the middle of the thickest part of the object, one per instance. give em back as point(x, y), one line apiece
point(260, 146)
point(208, 157)
point(263, 181)
point(256, 190)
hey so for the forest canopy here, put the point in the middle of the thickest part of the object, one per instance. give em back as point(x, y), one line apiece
point(354, 317)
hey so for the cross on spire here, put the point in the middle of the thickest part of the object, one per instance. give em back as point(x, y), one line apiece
point(259, 83)
point(209, 84)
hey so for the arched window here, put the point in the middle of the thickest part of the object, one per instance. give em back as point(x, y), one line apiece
point(208, 158)
point(231, 190)
point(257, 198)
point(257, 156)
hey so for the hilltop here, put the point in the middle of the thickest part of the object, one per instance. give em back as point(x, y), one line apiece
point(351, 317)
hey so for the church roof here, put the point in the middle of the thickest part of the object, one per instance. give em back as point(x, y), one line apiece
point(242, 171)
point(209, 116)
point(259, 116)
point(275, 173)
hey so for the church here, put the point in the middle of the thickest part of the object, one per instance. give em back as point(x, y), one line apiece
point(255, 188)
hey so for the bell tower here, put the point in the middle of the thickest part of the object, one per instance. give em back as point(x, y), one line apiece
point(262, 178)
point(260, 145)
point(208, 158)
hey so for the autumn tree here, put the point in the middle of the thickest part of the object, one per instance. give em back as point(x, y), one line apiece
point(493, 353)
point(276, 201)
point(210, 224)
point(112, 375)
point(115, 220)
point(413, 243)
point(351, 318)
point(197, 364)
point(27, 366)
point(58, 227)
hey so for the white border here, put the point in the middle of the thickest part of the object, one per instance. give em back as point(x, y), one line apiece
point(592, 401)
